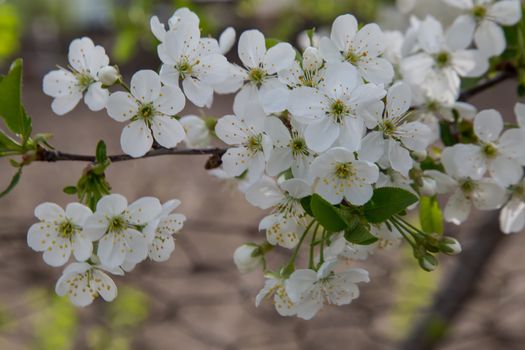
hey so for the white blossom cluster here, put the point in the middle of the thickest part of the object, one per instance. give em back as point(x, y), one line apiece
point(357, 111)
point(111, 240)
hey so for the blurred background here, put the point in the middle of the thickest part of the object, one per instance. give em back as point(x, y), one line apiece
point(198, 300)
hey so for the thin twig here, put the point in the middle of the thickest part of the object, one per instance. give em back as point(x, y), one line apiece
point(469, 93)
point(56, 156)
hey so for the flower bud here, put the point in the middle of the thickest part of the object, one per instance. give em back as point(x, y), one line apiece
point(428, 186)
point(450, 246)
point(108, 75)
point(428, 262)
point(420, 155)
point(197, 133)
point(312, 59)
point(247, 257)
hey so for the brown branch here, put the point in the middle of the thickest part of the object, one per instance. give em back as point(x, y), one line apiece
point(487, 84)
point(45, 155)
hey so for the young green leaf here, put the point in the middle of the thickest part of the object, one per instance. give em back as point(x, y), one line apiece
point(360, 235)
point(101, 155)
point(386, 202)
point(430, 215)
point(13, 183)
point(7, 144)
point(305, 202)
point(326, 214)
point(11, 109)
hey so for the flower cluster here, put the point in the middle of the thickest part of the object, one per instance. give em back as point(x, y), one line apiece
point(110, 240)
point(339, 141)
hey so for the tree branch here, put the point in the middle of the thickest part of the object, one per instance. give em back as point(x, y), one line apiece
point(487, 84)
point(45, 155)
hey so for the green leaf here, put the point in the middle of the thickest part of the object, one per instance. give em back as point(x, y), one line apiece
point(7, 144)
point(430, 215)
point(327, 215)
point(11, 109)
point(305, 202)
point(386, 202)
point(70, 190)
point(360, 235)
point(13, 183)
point(271, 42)
point(446, 134)
point(101, 155)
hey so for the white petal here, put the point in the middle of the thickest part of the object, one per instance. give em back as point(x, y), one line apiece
point(273, 96)
point(161, 248)
point(369, 40)
point(376, 70)
point(157, 28)
point(143, 210)
point(169, 75)
point(488, 195)
point(278, 57)
point(95, 226)
point(512, 216)
point(65, 104)
point(136, 139)
point(112, 252)
point(461, 32)
point(145, 85)
point(264, 193)
point(82, 247)
point(488, 125)
point(321, 135)
point(104, 285)
point(351, 133)
point(171, 100)
point(227, 40)
point(399, 98)
point(212, 69)
point(252, 48)
point(457, 208)
point(59, 83)
point(300, 282)
point(297, 188)
point(136, 246)
point(236, 160)
point(430, 36)
point(40, 235)
point(490, 38)
point(96, 97)
point(359, 194)
point(50, 212)
point(78, 213)
point(121, 106)
point(343, 31)
point(167, 131)
point(58, 253)
point(506, 12)
point(329, 51)
point(307, 104)
point(198, 92)
point(470, 63)
point(399, 157)
point(372, 147)
point(519, 110)
point(112, 205)
point(505, 171)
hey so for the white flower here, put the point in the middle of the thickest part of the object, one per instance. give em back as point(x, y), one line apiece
point(151, 108)
point(332, 112)
point(501, 152)
point(197, 133)
point(309, 72)
point(115, 225)
point(245, 132)
point(468, 188)
point(82, 283)
point(484, 17)
point(59, 233)
point(246, 258)
point(443, 61)
point(342, 176)
point(259, 79)
point(310, 290)
point(289, 149)
point(397, 136)
point(160, 231)
point(274, 287)
point(288, 219)
point(359, 48)
point(512, 216)
point(194, 61)
point(68, 86)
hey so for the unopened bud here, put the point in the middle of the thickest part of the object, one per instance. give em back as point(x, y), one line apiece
point(450, 246)
point(108, 75)
point(420, 155)
point(312, 59)
point(247, 257)
point(428, 262)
